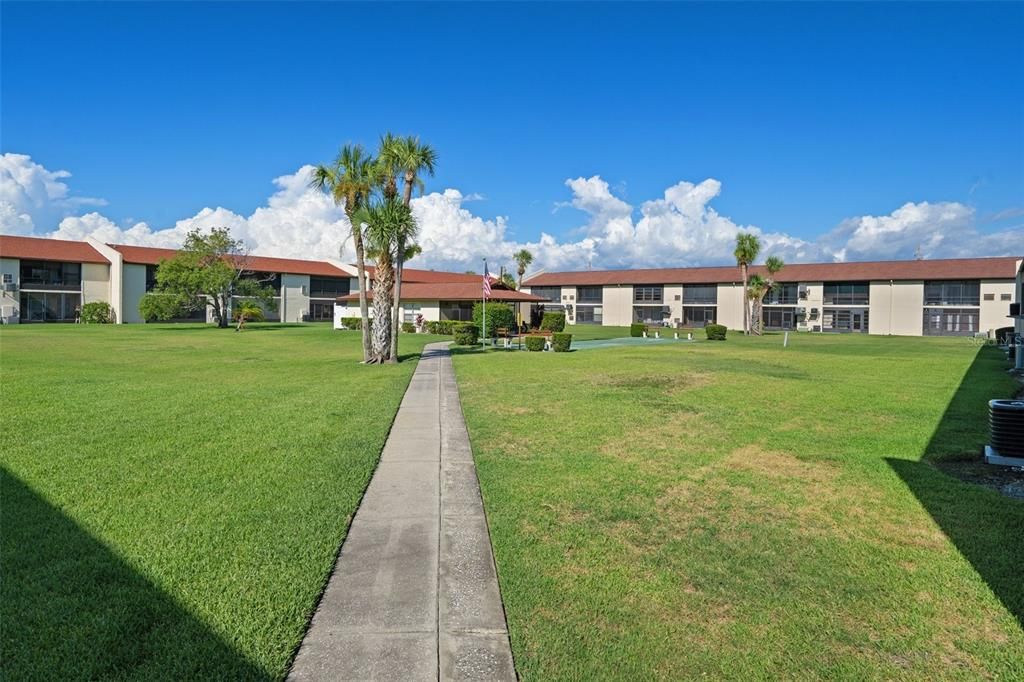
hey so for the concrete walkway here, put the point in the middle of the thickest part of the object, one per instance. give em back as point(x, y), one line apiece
point(414, 594)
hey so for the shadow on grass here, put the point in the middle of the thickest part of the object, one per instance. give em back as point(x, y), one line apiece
point(986, 527)
point(72, 609)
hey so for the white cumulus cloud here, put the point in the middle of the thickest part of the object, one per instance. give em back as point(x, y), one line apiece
point(680, 228)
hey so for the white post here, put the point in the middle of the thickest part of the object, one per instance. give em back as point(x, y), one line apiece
point(785, 339)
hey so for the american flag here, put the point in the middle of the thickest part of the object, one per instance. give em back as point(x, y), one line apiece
point(487, 283)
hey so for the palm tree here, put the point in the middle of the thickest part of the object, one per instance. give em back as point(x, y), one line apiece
point(406, 157)
point(388, 222)
point(523, 258)
point(350, 180)
point(747, 248)
point(758, 288)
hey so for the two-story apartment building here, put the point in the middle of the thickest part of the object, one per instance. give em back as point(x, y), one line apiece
point(907, 298)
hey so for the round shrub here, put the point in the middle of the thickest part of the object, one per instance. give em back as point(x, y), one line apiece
point(352, 322)
point(715, 332)
point(499, 316)
point(97, 312)
point(408, 328)
point(535, 343)
point(560, 342)
point(637, 329)
point(553, 322)
point(467, 335)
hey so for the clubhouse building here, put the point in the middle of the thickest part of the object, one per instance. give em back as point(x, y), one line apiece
point(905, 298)
point(48, 280)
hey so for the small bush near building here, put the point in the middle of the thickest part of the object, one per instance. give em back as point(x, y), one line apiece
point(637, 329)
point(553, 322)
point(715, 332)
point(97, 312)
point(499, 316)
point(408, 328)
point(442, 327)
point(535, 343)
point(352, 322)
point(560, 342)
point(467, 335)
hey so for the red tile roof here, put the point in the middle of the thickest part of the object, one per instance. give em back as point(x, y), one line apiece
point(455, 291)
point(152, 256)
point(415, 275)
point(955, 268)
point(37, 248)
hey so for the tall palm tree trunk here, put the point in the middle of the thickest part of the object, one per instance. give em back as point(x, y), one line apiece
point(746, 301)
point(381, 328)
point(364, 308)
point(397, 302)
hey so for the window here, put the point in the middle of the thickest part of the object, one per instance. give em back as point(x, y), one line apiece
point(1005, 297)
point(990, 297)
point(460, 311)
point(589, 294)
point(329, 287)
point(46, 306)
point(779, 318)
point(844, 320)
point(650, 314)
point(321, 310)
point(847, 293)
point(950, 321)
point(698, 316)
point(150, 277)
point(50, 275)
point(8, 278)
point(589, 314)
point(547, 293)
point(700, 293)
point(953, 292)
point(266, 279)
point(410, 311)
point(785, 294)
point(647, 294)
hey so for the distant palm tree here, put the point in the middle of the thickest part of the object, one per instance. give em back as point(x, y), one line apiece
point(389, 222)
point(350, 180)
point(523, 258)
point(758, 288)
point(406, 157)
point(747, 248)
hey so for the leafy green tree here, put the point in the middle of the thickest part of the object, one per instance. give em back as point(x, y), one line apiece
point(747, 248)
point(508, 280)
point(208, 271)
point(758, 287)
point(499, 316)
point(408, 158)
point(523, 259)
point(350, 180)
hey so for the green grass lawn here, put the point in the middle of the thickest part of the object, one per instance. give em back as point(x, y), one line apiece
point(174, 496)
point(739, 510)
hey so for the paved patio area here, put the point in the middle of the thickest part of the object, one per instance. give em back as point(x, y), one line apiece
point(414, 594)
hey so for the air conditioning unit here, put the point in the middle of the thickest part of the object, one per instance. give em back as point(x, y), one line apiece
point(10, 287)
point(803, 291)
point(1015, 310)
point(800, 310)
point(305, 291)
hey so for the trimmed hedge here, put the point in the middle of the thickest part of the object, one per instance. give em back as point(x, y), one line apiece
point(637, 329)
point(553, 322)
point(97, 312)
point(352, 322)
point(560, 342)
point(535, 343)
point(499, 316)
point(467, 335)
point(715, 332)
point(408, 328)
point(443, 327)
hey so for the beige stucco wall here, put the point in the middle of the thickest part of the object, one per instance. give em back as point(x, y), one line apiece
point(294, 301)
point(1019, 297)
point(133, 288)
point(617, 306)
point(95, 282)
point(896, 308)
point(10, 303)
point(672, 295)
point(994, 313)
point(815, 301)
point(730, 305)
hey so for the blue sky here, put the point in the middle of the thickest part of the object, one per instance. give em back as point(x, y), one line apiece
point(805, 114)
